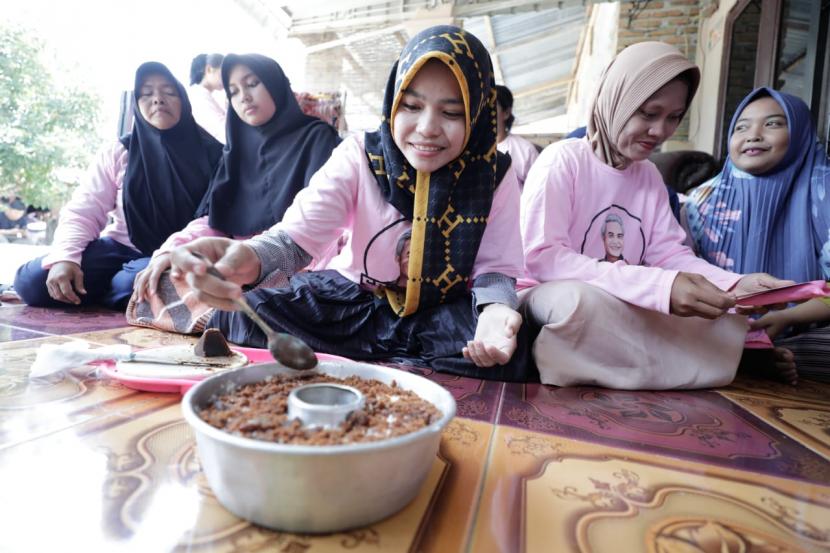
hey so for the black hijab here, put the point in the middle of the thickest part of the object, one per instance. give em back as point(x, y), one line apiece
point(448, 207)
point(168, 172)
point(264, 167)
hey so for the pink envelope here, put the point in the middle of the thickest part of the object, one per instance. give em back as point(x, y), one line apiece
point(785, 294)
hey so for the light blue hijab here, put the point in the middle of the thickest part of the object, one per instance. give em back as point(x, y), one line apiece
point(778, 222)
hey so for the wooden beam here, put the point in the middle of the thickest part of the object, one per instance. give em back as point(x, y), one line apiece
point(487, 8)
point(272, 18)
point(542, 86)
point(346, 24)
point(375, 102)
point(767, 49)
point(585, 36)
point(348, 39)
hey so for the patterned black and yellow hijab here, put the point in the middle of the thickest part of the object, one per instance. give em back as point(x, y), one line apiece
point(449, 207)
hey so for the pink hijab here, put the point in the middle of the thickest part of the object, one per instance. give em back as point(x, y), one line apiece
point(630, 79)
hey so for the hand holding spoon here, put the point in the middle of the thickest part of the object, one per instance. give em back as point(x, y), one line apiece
point(285, 348)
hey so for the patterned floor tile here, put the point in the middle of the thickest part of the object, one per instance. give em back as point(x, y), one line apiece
point(30, 408)
point(67, 320)
point(141, 476)
point(701, 426)
point(805, 390)
point(806, 422)
point(550, 493)
point(464, 445)
point(10, 333)
point(475, 399)
point(746, 468)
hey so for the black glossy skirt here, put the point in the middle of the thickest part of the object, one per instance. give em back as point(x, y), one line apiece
point(334, 315)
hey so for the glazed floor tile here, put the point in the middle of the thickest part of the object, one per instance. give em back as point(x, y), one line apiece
point(744, 468)
point(476, 399)
point(142, 474)
point(10, 333)
point(697, 425)
point(30, 408)
point(67, 320)
point(804, 421)
point(137, 337)
point(465, 444)
point(806, 390)
point(550, 493)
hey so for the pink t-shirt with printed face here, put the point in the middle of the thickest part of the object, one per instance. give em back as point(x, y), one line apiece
point(582, 219)
point(344, 195)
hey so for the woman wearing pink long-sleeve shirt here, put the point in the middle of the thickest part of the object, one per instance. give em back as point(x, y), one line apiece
point(148, 185)
point(625, 304)
point(429, 177)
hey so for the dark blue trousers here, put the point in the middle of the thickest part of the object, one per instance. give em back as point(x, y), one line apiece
point(109, 272)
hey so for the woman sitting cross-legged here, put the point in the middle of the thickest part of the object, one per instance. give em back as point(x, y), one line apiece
point(140, 190)
point(768, 210)
point(624, 304)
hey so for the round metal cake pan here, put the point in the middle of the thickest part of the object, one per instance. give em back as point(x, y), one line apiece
point(308, 488)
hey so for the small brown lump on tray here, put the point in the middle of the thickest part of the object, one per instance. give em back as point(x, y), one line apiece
point(212, 344)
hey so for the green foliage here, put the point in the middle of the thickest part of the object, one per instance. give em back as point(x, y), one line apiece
point(47, 130)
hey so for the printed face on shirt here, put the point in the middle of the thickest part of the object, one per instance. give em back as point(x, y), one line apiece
point(403, 263)
point(250, 99)
point(613, 235)
point(654, 121)
point(428, 126)
point(159, 102)
point(760, 138)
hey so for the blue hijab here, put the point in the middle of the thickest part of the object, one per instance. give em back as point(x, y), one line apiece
point(778, 222)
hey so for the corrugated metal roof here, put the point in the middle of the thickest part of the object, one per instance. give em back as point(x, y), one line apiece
point(535, 53)
point(533, 45)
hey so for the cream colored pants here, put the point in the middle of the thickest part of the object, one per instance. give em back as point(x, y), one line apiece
point(590, 337)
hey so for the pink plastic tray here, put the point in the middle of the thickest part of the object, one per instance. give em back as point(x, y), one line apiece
point(785, 294)
point(181, 385)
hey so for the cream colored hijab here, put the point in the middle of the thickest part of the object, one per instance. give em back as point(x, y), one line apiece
point(630, 79)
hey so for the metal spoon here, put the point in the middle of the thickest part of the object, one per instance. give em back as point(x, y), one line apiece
point(285, 348)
